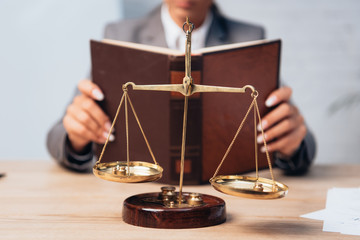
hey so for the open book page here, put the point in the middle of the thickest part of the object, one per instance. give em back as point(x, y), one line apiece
point(174, 52)
point(144, 47)
point(232, 46)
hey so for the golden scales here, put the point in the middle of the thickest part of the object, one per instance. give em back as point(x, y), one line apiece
point(171, 209)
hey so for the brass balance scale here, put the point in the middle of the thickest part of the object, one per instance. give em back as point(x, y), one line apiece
point(171, 209)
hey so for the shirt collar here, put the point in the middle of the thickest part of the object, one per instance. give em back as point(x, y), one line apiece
point(174, 35)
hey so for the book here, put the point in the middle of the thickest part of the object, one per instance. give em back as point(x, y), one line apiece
point(213, 118)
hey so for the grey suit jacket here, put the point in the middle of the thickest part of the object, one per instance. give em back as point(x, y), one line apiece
point(149, 30)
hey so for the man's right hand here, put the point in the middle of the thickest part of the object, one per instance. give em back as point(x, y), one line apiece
point(84, 120)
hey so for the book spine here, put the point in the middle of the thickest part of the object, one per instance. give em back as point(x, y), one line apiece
point(193, 149)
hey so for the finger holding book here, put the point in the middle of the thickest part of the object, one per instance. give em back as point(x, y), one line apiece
point(84, 120)
point(284, 126)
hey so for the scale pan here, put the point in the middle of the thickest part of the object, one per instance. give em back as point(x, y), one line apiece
point(137, 172)
point(249, 187)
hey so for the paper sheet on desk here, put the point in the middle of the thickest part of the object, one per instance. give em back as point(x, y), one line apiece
point(342, 212)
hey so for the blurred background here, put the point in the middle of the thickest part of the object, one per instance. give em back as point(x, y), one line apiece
point(44, 52)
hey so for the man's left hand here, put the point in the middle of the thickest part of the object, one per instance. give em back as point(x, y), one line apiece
point(284, 126)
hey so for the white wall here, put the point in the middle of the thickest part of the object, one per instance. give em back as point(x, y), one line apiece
point(44, 52)
point(321, 61)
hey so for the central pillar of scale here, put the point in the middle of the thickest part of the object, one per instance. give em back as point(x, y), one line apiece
point(164, 210)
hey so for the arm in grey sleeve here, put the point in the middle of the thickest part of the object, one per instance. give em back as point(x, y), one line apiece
point(301, 160)
point(60, 149)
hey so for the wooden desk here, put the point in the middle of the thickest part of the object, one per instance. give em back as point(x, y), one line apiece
point(40, 200)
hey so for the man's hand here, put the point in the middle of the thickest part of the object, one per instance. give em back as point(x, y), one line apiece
point(84, 121)
point(284, 126)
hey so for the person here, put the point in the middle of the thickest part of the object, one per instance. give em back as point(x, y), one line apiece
point(70, 140)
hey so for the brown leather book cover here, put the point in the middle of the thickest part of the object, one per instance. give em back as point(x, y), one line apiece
point(213, 118)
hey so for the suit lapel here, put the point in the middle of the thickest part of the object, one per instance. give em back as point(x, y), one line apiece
point(153, 31)
point(218, 32)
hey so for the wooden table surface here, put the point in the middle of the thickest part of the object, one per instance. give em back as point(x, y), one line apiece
point(40, 200)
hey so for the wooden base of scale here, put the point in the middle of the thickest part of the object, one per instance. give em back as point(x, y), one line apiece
point(150, 210)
